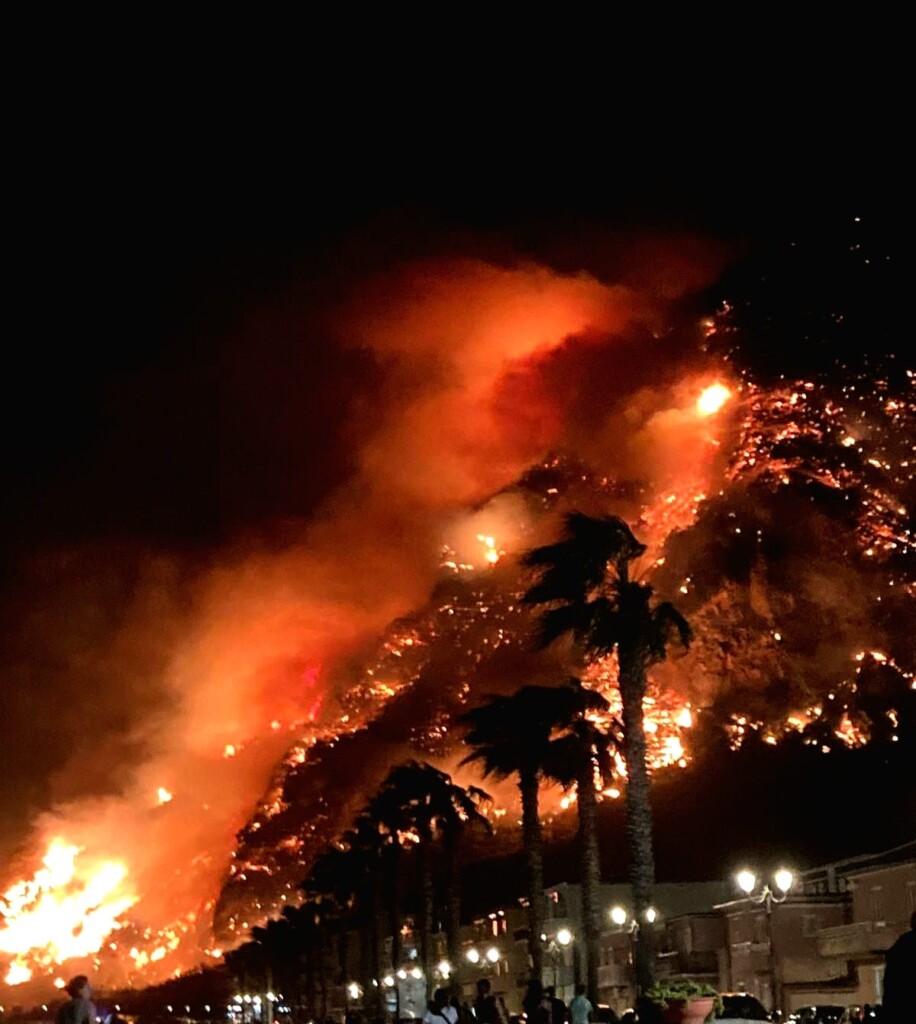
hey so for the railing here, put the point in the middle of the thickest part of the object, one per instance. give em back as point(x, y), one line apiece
point(850, 939)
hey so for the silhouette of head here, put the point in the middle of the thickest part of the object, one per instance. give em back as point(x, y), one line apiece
point(78, 987)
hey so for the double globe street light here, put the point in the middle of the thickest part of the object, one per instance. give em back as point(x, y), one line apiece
point(492, 954)
point(620, 917)
point(783, 880)
point(750, 884)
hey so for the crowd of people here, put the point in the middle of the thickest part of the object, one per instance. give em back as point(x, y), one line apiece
point(541, 1005)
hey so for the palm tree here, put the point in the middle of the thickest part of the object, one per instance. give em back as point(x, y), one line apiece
point(391, 822)
point(586, 580)
point(511, 736)
point(415, 795)
point(349, 875)
point(581, 756)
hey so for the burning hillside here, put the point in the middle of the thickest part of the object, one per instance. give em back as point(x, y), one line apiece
point(776, 514)
point(769, 658)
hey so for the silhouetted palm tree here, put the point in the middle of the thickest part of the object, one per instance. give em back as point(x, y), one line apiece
point(424, 799)
point(580, 756)
point(586, 579)
point(511, 736)
point(350, 874)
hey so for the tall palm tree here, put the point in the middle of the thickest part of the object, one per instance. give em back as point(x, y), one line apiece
point(349, 873)
point(425, 799)
point(511, 736)
point(586, 580)
point(580, 756)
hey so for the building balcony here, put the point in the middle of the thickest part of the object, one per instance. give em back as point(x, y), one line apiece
point(673, 963)
point(856, 939)
point(614, 976)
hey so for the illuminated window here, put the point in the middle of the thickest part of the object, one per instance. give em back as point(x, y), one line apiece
point(876, 904)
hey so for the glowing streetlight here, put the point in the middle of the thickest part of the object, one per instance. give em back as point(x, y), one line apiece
point(564, 936)
point(651, 915)
point(493, 954)
point(747, 881)
point(353, 990)
point(472, 956)
point(416, 973)
point(402, 974)
point(444, 968)
point(388, 981)
point(618, 915)
point(783, 879)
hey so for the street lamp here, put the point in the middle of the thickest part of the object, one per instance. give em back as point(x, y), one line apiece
point(493, 954)
point(783, 880)
point(564, 936)
point(472, 956)
point(620, 917)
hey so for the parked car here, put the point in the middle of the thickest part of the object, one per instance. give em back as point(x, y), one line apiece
point(740, 1008)
point(821, 1015)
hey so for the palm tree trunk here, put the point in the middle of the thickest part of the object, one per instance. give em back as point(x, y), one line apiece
point(639, 810)
point(453, 899)
point(394, 906)
point(534, 863)
point(372, 991)
point(591, 876)
point(322, 965)
point(427, 900)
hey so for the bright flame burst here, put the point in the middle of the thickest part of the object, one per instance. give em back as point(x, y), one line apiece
point(491, 554)
point(712, 399)
point(65, 910)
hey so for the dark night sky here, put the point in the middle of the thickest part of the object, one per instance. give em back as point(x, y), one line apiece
point(137, 260)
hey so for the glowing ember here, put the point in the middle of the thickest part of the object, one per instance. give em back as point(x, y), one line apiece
point(712, 399)
point(18, 973)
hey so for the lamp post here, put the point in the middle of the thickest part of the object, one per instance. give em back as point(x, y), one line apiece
point(556, 946)
point(759, 892)
point(628, 922)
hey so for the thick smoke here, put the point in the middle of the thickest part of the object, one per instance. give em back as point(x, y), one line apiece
point(191, 679)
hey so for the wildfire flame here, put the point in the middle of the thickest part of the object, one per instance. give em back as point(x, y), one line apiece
point(65, 910)
point(491, 554)
point(712, 399)
point(73, 904)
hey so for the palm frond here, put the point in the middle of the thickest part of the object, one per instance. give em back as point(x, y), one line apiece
point(668, 624)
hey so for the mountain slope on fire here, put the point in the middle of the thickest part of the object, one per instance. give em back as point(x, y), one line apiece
point(797, 575)
point(777, 513)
